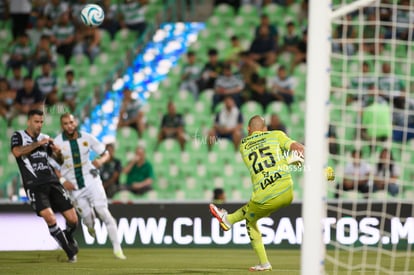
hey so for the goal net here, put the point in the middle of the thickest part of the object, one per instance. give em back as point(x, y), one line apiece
point(369, 223)
point(371, 144)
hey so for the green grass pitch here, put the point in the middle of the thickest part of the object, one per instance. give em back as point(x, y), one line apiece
point(156, 261)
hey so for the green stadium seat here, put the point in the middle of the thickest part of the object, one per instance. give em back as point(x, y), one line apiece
point(280, 108)
point(247, 11)
point(251, 108)
point(191, 125)
point(79, 62)
point(19, 122)
point(125, 38)
point(105, 40)
point(224, 10)
point(170, 148)
point(152, 10)
point(6, 36)
point(184, 102)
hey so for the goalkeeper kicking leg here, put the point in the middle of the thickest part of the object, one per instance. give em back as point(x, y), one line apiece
point(252, 212)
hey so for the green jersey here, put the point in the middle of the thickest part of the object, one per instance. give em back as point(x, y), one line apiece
point(140, 173)
point(264, 154)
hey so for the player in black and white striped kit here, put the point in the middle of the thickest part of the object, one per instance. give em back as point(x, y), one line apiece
point(32, 151)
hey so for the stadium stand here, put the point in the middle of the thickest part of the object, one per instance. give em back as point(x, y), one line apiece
point(192, 174)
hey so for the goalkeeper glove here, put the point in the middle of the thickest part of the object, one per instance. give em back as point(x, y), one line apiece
point(329, 173)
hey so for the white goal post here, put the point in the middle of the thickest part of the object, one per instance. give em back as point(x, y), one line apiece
point(316, 129)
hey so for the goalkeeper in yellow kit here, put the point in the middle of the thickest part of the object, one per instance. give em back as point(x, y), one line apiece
point(264, 154)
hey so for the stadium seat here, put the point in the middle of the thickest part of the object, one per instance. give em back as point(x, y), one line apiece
point(184, 102)
point(170, 148)
point(251, 108)
point(281, 109)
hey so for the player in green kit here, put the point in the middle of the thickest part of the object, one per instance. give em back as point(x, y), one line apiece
point(264, 154)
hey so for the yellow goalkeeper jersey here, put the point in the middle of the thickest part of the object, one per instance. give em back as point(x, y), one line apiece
point(264, 154)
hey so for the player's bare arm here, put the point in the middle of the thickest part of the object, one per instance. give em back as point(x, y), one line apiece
point(65, 183)
point(299, 148)
point(142, 184)
point(23, 150)
point(57, 153)
point(101, 160)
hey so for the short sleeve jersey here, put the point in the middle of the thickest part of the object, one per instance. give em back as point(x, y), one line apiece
point(172, 121)
point(34, 167)
point(140, 173)
point(377, 119)
point(76, 156)
point(264, 155)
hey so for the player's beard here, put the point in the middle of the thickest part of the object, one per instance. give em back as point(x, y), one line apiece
point(34, 131)
point(71, 134)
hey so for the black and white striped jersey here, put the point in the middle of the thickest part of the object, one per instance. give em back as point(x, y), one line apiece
point(35, 168)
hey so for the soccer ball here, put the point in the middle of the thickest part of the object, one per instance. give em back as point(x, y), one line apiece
point(92, 15)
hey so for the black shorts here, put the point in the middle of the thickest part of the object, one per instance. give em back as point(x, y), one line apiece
point(50, 195)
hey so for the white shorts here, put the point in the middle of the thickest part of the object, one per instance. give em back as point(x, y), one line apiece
point(91, 196)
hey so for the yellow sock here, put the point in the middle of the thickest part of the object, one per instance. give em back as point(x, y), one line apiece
point(236, 216)
point(259, 248)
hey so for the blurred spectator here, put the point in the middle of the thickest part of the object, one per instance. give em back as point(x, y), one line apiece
point(300, 52)
point(16, 81)
point(404, 20)
point(4, 12)
point(46, 83)
point(373, 34)
point(332, 140)
point(402, 119)
point(271, 29)
point(64, 37)
point(282, 86)
point(54, 10)
point(70, 90)
point(228, 124)
point(140, 174)
point(219, 196)
point(258, 91)
point(227, 84)
point(376, 122)
point(132, 15)
point(248, 69)
point(110, 172)
point(76, 9)
point(111, 22)
point(363, 84)
point(232, 54)
point(303, 13)
point(386, 173)
point(88, 40)
point(211, 71)
point(290, 38)
point(21, 53)
point(234, 3)
point(40, 29)
point(276, 124)
point(263, 48)
point(356, 174)
point(131, 114)
point(345, 33)
point(172, 126)
point(189, 74)
point(7, 97)
point(44, 52)
point(386, 15)
point(38, 7)
point(389, 84)
point(19, 11)
point(27, 98)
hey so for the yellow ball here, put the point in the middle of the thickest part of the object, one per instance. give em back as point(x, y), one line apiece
point(329, 173)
